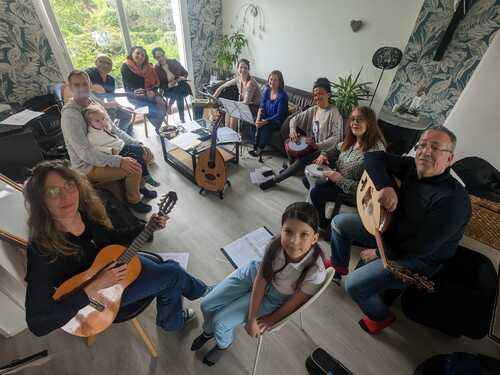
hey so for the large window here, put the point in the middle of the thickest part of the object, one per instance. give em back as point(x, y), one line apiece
point(90, 27)
point(151, 24)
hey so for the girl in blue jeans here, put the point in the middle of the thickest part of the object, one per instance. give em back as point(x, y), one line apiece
point(262, 293)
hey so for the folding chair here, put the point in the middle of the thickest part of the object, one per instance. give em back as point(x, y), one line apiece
point(328, 279)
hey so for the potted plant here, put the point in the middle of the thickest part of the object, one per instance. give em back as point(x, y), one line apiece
point(228, 54)
point(348, 93)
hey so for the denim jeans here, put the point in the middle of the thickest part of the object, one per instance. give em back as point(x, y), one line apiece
point(168, 282)
point(365, 284)
point(263, 134)
point(226, 306)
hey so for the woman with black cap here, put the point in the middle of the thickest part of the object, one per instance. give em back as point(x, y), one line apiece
point(322, 127)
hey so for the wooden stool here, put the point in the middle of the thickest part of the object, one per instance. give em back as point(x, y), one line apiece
point(141, 111)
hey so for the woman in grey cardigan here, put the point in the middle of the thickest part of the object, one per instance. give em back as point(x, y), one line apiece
point(322, 126)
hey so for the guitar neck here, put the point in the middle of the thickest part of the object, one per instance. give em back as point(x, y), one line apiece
point(135, 246)
point(380, 246)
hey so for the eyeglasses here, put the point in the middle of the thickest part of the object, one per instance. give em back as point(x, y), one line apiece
point(357, 119)
point(434, 147)
point(56, 192)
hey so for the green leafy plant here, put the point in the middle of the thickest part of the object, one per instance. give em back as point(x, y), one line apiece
point(349, 92)
point(230, 50)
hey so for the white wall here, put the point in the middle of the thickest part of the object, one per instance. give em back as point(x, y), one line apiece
point(475, 118)
point(310, 39)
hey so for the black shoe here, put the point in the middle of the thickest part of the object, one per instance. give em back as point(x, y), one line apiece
point(140, 207)
point(213, 356)
point(268, 184)
point(148, 194)
point(256, 152)
point(200, 341)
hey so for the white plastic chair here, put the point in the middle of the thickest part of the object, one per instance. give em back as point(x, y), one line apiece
point(328, 279)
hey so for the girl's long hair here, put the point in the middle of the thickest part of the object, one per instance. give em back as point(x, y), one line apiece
point(372, 135)
point(42, 226)
point(306, 213)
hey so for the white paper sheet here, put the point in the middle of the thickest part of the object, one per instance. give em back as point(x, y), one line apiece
point(186, 140)
point(257, 177)
point(250, 247)
point(182, 258)
point(190, 126)
point(227, 135)
point(21, 118)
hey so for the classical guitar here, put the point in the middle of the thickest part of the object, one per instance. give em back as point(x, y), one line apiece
point(101, 312)
point(99, 91)
point(376, 220)
point(210, 173)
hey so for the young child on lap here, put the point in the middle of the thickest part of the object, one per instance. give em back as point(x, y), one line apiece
point(100, 136)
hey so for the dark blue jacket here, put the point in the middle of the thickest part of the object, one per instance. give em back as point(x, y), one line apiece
point(430, 217)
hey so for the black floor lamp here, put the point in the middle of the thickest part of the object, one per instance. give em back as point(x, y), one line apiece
point(385, 58)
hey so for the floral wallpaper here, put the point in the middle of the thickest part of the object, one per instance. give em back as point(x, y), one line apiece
point(27, 65)
point(443, 80)
point(205, 22)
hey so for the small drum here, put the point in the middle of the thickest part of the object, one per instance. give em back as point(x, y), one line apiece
point(314, 174)
point(298, 148)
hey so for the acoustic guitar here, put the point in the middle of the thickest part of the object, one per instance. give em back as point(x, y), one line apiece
point(376, 220)
point(99, 90)
point(210, 173)
point(101, 311)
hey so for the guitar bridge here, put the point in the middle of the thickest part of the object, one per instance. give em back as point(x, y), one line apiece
point(96, 305)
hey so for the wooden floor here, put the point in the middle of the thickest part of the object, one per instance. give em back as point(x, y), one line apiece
point(201, 225)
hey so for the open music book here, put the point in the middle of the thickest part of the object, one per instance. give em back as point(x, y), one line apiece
point(247, 248)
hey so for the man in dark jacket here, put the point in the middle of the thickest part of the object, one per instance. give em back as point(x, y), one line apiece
point(99, 75)
point(430, 212)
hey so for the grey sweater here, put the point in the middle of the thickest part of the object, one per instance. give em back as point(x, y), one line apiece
point(82, 154)
point(329, 136)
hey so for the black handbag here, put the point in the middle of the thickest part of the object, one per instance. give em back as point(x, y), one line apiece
point(322, 363)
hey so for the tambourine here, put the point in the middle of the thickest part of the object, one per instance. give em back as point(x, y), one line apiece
point(314, 174)
point(298, 148)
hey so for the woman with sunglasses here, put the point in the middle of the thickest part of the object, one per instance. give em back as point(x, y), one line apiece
point(322, 126)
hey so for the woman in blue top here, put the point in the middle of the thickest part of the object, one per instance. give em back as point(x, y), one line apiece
point(273, 110)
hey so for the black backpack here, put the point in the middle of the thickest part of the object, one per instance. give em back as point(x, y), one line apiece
point(121, 216)
point(322, 363)
point(47, 128)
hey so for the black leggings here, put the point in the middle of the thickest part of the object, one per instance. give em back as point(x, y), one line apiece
point(320, 194)
point(136, 152)
point(177, 94)
point(297, 165)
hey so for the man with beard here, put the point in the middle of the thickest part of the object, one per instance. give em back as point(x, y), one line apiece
point(430, 212)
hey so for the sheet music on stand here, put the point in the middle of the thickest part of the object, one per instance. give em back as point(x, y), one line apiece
point(238, 110)
point(247, 248)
